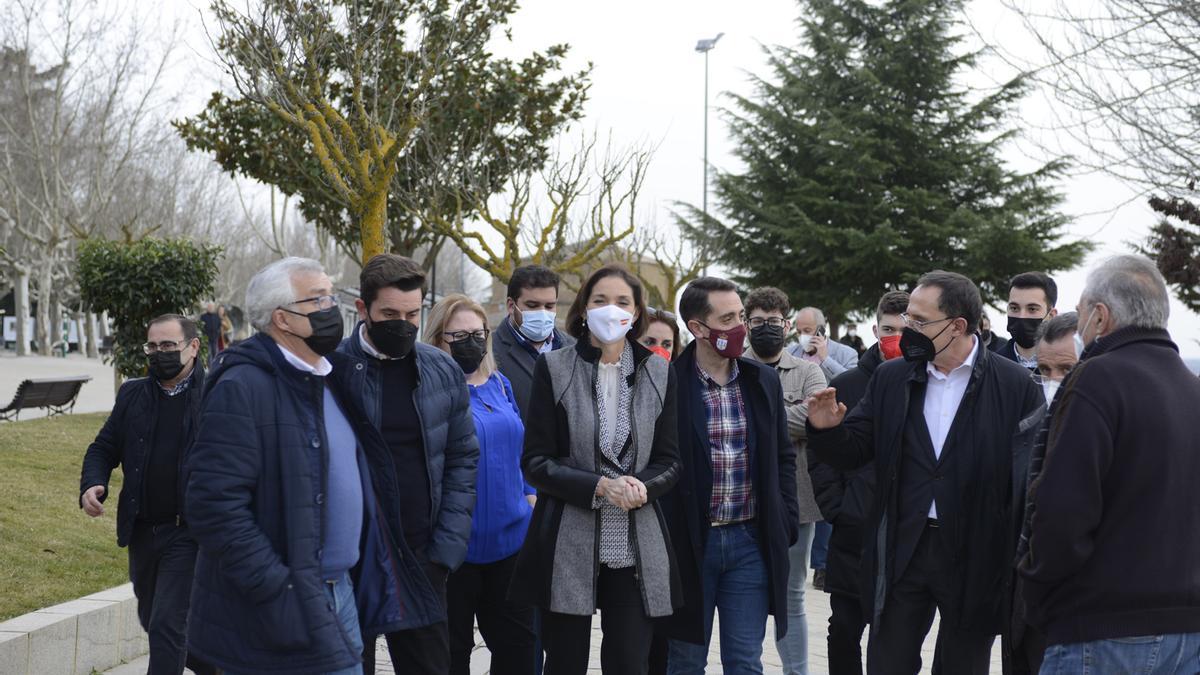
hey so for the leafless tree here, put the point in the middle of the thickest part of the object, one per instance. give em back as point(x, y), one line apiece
point(80, 87)
point(1128, 75)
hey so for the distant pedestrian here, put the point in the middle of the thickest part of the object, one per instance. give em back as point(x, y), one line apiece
point(210, 326)
point(148, 433)
point(1110, 565)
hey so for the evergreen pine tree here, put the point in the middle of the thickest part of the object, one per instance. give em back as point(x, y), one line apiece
point(868, 162)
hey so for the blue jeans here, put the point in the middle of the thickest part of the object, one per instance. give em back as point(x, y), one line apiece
point(820, 545)
point(734, 576)
point(793, 648)
point(1150, 654)
point(341, 594)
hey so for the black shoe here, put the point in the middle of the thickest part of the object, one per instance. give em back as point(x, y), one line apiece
point(819, 579)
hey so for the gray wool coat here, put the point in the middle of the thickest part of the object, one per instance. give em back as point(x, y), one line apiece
point(559, 562)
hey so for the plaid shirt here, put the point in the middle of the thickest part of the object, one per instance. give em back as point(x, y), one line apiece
point(732, 498)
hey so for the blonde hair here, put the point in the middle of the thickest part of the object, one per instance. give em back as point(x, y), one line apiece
point(440, 315)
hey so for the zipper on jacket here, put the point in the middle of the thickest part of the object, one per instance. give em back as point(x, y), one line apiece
point(433, 517)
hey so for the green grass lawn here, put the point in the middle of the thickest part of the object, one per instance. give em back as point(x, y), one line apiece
point(50, 551)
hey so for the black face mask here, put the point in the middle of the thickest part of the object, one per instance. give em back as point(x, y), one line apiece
point(468, 353)
point(166, 366)
point(1024, 331)
point(326, 327)
point(394, 337)
point(918, 347)
point(767, 341)
point(985, 335)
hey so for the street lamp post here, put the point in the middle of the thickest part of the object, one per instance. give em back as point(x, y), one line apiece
point(704, 47)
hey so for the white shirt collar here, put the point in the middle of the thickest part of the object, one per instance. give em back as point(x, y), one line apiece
point(367, 346)
point(322, 368)
point(967, 365)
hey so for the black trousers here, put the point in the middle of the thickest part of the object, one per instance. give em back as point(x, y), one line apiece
point(507, 628)
point(627, 630)
point(846, 625)
point(420, 651)
point(162, 561)
point(894, 647)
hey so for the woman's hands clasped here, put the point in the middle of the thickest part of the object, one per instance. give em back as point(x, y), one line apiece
point(626, 493)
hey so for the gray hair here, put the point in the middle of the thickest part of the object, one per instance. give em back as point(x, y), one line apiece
point(1058, 327)
point(272, 287)
point(817, 314)
point(1133, 290)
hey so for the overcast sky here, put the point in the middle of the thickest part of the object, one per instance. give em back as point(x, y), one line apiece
point(648, 87)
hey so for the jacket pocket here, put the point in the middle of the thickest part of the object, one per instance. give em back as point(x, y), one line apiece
point(281, 623)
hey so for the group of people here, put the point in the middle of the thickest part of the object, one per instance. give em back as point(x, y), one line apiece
point(312, 492)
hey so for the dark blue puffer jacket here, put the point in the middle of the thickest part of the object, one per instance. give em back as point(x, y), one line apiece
point(443, 405)
point(254, 500)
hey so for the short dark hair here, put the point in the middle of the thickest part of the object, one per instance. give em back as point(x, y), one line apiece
point(388, 270)
point(190, 331)
point(1057, 327)
point(578, 312)
point(960, 296)
point(892, 302)
point(694, 304)
point(1037, 280)
point(768, 299)
point(664, 317)
point(531, 276)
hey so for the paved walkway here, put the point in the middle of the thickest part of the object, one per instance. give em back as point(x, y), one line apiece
point(818, 620)
point(95, 396)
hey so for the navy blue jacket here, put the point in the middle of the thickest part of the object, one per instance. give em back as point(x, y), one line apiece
point(255, 491)
point(443, 405)
point(686, 508)
point(125, 439)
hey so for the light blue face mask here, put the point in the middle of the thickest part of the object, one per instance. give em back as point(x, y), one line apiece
point(537, 325)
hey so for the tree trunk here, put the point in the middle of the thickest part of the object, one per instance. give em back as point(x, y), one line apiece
point(116, 381)
point(103, 318)
point(373, 223)
point(89, 326)
point(42, 328)
point(21, 298)
point(56, 327)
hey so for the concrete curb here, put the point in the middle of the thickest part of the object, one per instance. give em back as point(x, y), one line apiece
point(93, 633)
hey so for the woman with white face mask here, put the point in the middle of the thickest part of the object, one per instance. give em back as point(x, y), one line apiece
point(600, 448)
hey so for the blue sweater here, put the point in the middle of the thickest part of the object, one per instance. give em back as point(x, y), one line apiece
point(501, 511)
point(344, 501)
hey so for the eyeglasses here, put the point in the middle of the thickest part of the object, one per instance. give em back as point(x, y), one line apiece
point(464, 334)
point(321, 301)
point(164, 346)
point(913, 323)
point(773, 321)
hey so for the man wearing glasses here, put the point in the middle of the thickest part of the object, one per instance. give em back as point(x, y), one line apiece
point(415, 395)
point(765, 310)
point(939, 426)
point(288, 492)
point(150, 427)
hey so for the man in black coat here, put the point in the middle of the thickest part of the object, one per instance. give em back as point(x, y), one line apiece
point(845, 498)
point(733, 514)
point(529, 329)
point(147, 434)
point(939, 427)
point(1110, 563)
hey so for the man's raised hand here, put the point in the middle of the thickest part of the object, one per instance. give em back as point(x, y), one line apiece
point(824, 411)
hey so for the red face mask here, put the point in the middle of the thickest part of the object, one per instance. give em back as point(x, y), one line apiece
point(889, 346)
point(661, 352)
point(728, 343)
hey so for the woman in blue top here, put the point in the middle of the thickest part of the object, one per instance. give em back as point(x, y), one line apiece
point(503, 502)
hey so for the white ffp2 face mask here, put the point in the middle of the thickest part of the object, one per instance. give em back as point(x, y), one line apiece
point(609, 323)
point(1049, 389)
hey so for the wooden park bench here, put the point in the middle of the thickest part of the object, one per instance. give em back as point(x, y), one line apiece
point(56, 394)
